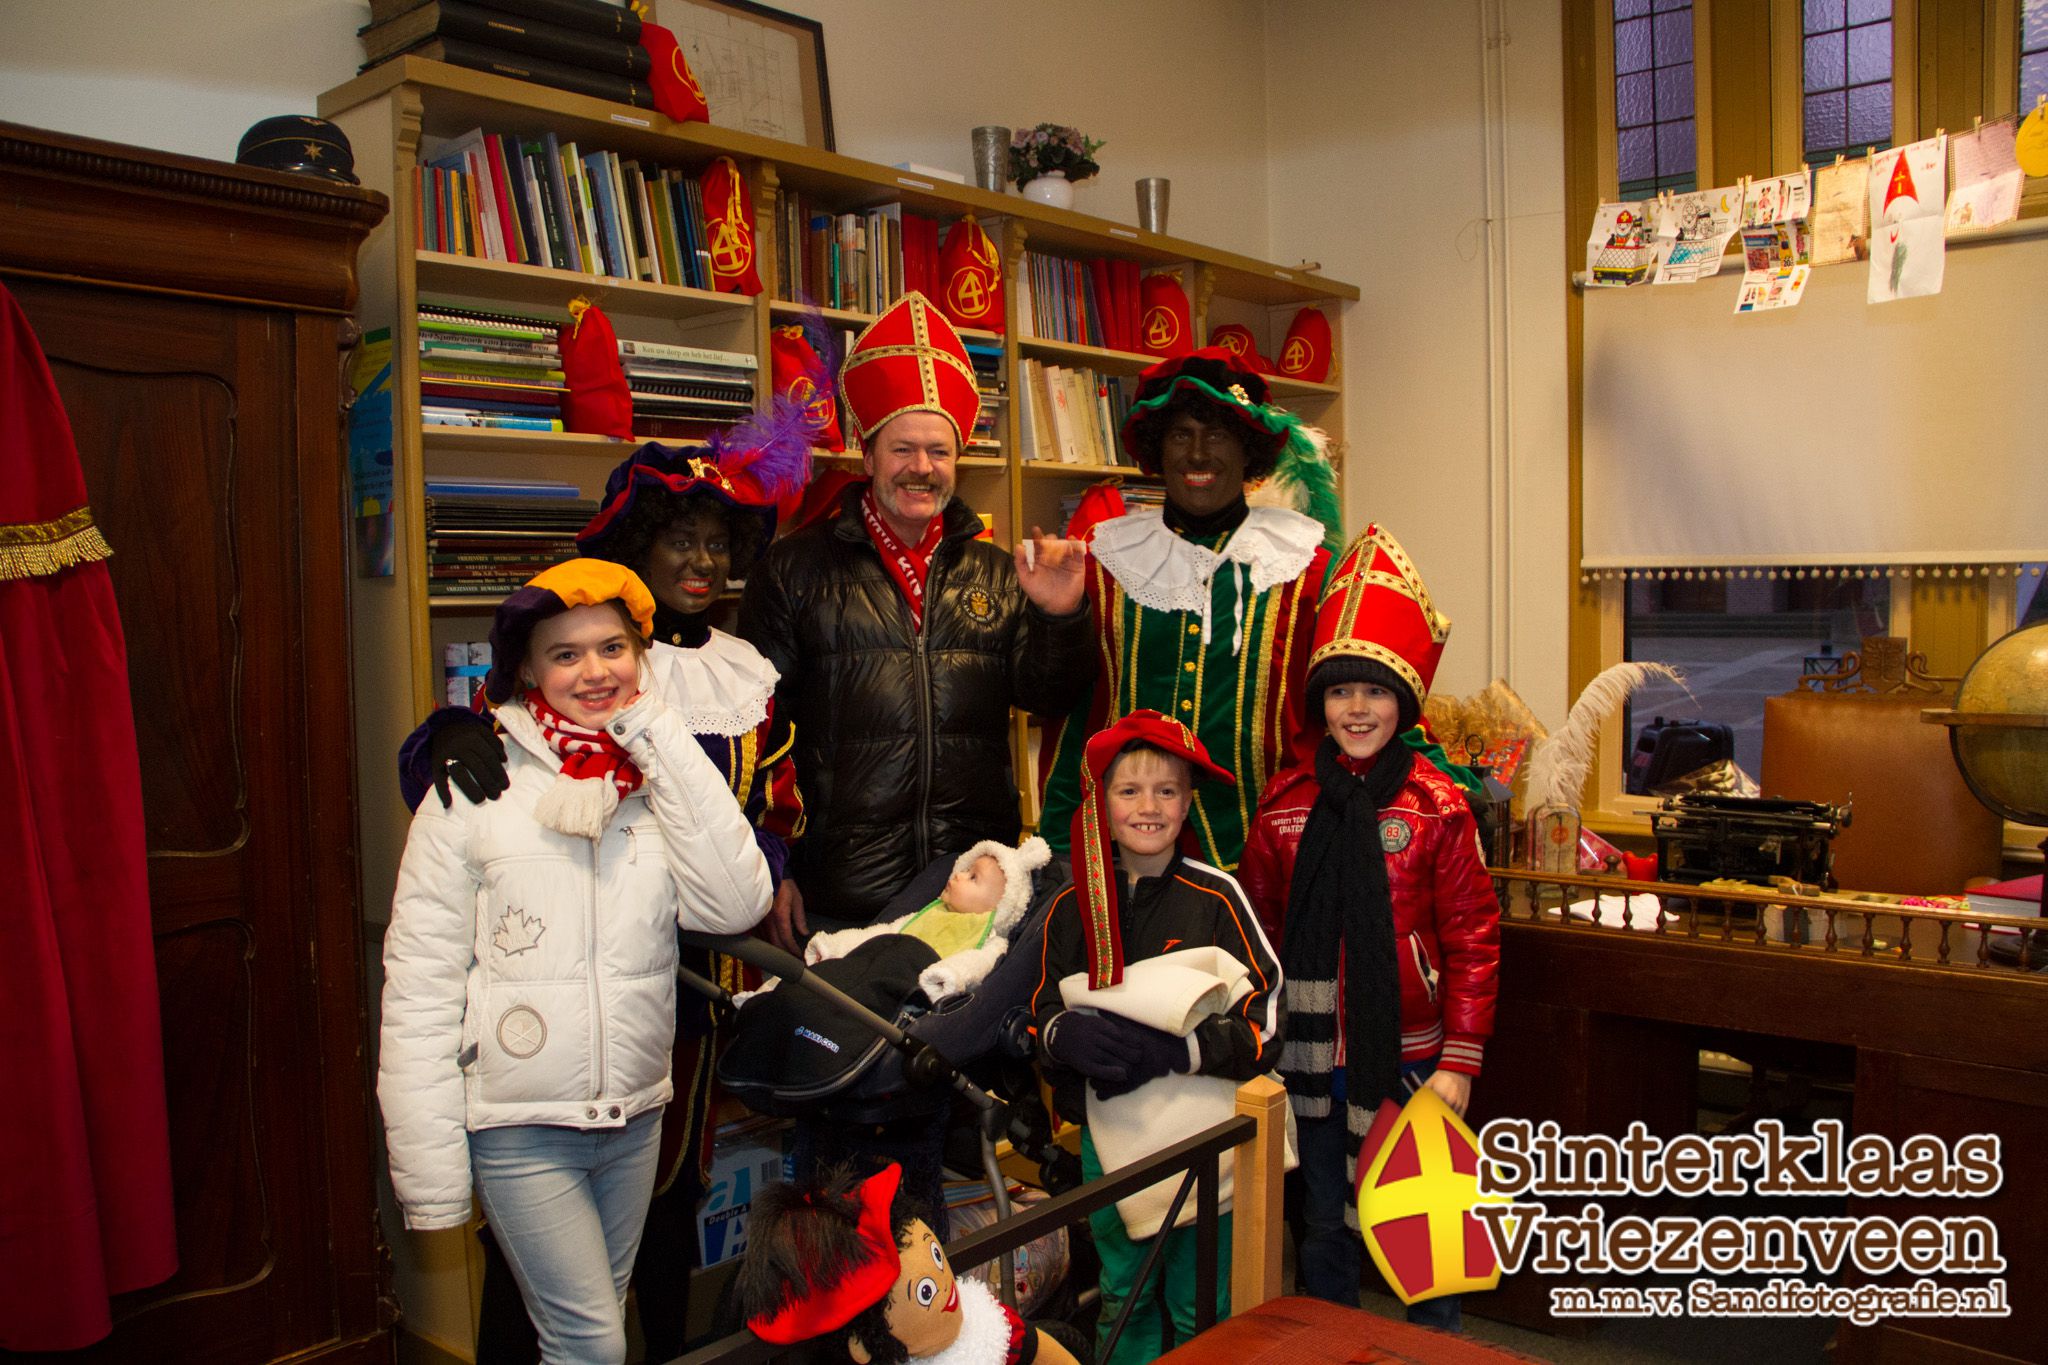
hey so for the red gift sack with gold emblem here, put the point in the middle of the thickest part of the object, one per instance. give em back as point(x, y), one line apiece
point(1166, 324)
point(598, 401)
point(729, 227)
point(1306, 352)
point(1237, 339)
point(799, 375)
point(676, 91)
point(971, 278)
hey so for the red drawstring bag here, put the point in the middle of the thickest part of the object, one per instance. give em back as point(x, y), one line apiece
point(800, 376)
point(676, 91)
point(729, 223)
point(598, 401)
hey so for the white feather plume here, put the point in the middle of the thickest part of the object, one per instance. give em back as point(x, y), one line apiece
point(1559, 764)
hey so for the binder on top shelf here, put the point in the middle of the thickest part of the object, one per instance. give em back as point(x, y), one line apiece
point(599, 17)
point(493, 24)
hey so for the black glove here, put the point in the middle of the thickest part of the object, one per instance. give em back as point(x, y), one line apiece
point(1093, 1044)
point(472, 754)
point(1157, 1054)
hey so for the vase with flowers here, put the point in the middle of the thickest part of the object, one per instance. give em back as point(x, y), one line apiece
point(1046, 161)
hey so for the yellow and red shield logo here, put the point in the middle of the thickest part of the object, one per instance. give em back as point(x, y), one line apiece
point(1418, 1182)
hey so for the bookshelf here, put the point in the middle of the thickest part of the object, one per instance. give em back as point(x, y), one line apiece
point(386, 112)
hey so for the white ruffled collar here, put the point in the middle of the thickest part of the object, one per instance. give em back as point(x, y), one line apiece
point(721, 687)
point(984, 1329)
point(1168, 572)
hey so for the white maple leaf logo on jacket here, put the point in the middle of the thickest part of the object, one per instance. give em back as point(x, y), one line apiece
point(517, 932)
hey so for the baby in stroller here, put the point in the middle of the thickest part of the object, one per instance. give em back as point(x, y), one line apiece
point(969, 924)
point(857, 1102)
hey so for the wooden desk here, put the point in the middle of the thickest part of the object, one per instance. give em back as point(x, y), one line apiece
point(1599, 1026)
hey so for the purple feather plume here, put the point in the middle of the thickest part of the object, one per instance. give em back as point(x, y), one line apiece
point(773, 446)
point(826, 341)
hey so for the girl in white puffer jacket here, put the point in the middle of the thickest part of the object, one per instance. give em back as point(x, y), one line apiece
point(529, 995)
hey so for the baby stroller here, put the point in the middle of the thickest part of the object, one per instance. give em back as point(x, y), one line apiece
point(847, 1045)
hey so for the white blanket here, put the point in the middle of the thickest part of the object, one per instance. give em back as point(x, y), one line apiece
point(1173, 993)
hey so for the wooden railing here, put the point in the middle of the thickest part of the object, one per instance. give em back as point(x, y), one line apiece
point(1837, 926)
point(1256, 1133)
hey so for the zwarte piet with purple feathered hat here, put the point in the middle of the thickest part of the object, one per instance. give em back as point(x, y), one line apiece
point(748, 467)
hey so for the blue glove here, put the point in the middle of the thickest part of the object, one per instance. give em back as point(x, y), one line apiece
point(1157, 1054)
point(1093, 1044)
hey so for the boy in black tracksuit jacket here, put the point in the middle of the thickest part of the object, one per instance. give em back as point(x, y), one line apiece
point(1135, 896)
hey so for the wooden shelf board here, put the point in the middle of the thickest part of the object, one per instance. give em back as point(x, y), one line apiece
point(1053, 469)
point(525, 442)
point(466, 99)
point(1096, 357)
point(1283, 387)
point(544, 286)
point(853, 317)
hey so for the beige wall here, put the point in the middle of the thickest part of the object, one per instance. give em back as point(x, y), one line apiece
point(1417, 150)
point(1176, 87)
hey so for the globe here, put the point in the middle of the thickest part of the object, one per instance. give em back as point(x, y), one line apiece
point(1998, 730)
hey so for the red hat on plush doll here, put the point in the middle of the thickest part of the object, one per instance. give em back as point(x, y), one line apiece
point(1306, 352)
point(802, 376)
point(971, 277)
point(1376, 607)
point(909, 360)
point(834, 1288)
point(598, 401)
point(1166, 324)
point(729, 225)
point(1095, 880)
point(676, 91)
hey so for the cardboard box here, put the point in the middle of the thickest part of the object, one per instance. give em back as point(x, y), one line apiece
point(742, 1165)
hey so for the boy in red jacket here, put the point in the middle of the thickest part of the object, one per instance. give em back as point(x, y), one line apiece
point(1366, 867)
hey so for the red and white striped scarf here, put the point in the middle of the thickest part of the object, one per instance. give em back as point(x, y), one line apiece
point(587, 755)
point(908, 564)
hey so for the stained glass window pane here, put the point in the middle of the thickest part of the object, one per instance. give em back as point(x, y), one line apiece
point(2033, 53)
point(1674, 38)
point(1632, 46)
point(1675, 148)
point(1870, 54)
point(1632, 101)
point(1870, 114)
point(2034, 27)
point(1826, 125)
point(2033, 78)
point(1663, 5)
point(1825, 63)
point(1674, 93)
point(1869, 11)
point(1637, 159)
point(1822, 15)
point(1631, 9)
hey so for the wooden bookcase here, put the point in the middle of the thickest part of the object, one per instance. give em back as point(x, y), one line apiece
point(399, 629)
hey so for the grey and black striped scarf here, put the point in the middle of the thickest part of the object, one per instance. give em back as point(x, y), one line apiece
point(1340, 894)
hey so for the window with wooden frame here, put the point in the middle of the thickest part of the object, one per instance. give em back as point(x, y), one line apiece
point(1945, 65)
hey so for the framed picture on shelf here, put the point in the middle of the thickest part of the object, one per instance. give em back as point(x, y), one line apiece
point(762, 69)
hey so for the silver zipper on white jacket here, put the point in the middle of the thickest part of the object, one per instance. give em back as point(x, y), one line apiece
point(590, 960)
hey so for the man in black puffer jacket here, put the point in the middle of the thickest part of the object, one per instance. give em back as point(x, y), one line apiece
point(903, 641)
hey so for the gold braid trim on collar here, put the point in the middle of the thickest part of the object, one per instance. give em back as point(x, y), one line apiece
point(36, 549)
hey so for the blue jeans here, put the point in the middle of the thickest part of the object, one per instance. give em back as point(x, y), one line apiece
point(567, 1205)
point(1329, 1253)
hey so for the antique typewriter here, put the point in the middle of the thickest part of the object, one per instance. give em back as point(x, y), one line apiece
point(1704, 838)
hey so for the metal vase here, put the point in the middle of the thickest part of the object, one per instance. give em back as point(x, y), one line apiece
point(991, 157)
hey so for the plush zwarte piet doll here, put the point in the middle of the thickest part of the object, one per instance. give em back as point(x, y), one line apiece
point(831, 1265)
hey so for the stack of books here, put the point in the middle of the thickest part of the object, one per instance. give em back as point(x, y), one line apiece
point(589, 47)
point(538, 201)
point(987, 359)
point(861, 261)
point(677, 390)
point(487, 536)
point(1094, 303)
point(485, 369)
point(1070, 414)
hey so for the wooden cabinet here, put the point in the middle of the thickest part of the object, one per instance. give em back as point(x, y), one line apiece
point(194, 315)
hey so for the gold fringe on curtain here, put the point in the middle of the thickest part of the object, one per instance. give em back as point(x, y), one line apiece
point(38, 548)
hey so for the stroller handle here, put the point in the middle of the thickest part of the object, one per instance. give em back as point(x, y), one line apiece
point(922, 1065)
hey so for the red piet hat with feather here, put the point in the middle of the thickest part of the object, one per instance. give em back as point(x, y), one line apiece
point(814, 1306)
